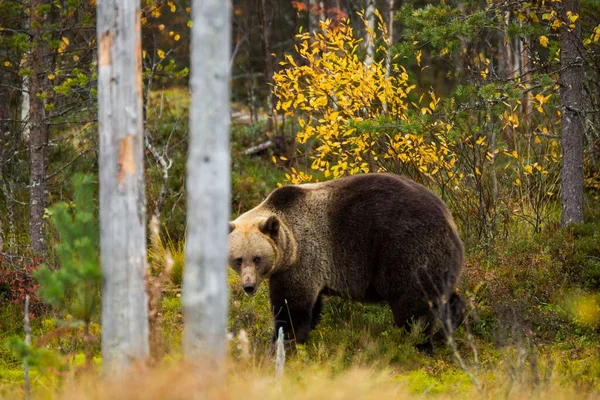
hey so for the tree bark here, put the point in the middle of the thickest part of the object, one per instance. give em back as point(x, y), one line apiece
point(122, 196)
point(572, 118)
point(388, 58)
point(313, 13)
point(4, 134)
point(369, 42)
point(208, 186)
point(38, 141)
point(267, 13)
point(525, 76)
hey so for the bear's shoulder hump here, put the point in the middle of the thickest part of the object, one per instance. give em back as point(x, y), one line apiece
point(285, 197)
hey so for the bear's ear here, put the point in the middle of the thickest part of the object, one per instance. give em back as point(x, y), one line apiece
point(231, 227)
point(270, 226)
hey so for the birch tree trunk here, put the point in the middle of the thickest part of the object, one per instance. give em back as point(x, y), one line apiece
point(25, 129)
point(572, 119)
point(369, 42)
point(208, 185)
point(388, 57)
point(38, 141)
point(122, 197)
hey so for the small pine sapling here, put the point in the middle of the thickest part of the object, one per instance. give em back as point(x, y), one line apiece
point(74, 287)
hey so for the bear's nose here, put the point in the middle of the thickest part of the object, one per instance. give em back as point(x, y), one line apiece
point(249, 288)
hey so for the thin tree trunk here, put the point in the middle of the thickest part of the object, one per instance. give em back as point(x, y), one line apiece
point(25, 128)
point(4, 134)
point(313, 12)
point(38, 141)
point(7, 191)
point(525, 67)
point(27, 329)
point(122, 192)
point(208, 186)
point(25, 105)
point(267, 14)
point(388, 61)
point(388, 58)
point(572, 118)
point(369, 42)
point(509, 69)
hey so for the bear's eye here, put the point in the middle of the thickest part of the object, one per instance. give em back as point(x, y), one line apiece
point(256, 260)
point(238, 262)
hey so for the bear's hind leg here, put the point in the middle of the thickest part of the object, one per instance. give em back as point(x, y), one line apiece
point(404, 317)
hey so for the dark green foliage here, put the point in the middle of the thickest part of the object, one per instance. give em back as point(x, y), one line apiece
point(73, 288)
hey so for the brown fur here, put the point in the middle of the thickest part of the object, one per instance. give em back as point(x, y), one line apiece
point(369, 238)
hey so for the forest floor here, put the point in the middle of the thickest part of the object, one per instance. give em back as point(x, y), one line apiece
point(533, 326)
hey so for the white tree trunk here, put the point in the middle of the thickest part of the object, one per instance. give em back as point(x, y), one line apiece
point(122, 197)
point(369, 43)
point(25, 130)
point(388, 58)
point(208, 185)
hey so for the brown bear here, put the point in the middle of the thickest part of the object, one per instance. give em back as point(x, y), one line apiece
point(368, 238)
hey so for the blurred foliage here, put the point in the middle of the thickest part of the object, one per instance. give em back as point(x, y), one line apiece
point(74, 287)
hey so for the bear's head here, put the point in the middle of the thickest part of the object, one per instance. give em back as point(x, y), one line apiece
point(256, 245)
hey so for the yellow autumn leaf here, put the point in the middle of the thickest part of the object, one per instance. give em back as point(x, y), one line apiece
point(51, 76)
point(573, 17)
point(177, 37)
point(160, 53)
point(161, 27)
point(189, 24)
point(544, 41)
point(7, 63)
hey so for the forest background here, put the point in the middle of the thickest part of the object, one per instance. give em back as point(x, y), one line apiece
point(492, 105)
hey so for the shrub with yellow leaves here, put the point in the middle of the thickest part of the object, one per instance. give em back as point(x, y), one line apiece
point(359, 118)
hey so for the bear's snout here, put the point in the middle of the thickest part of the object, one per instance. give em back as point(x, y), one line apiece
point(249, 288)
point(249, 279)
